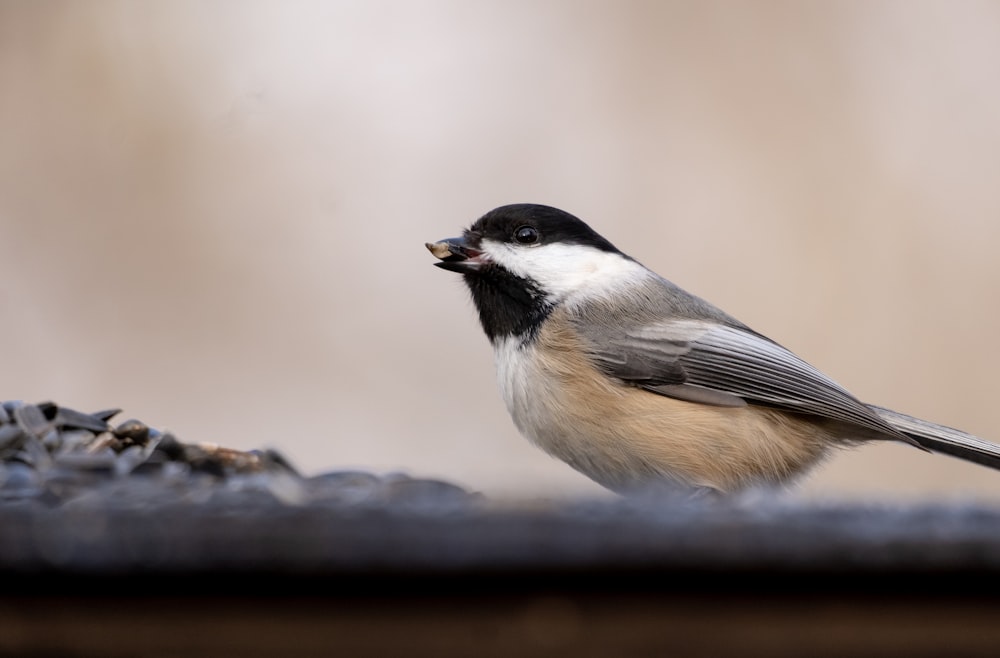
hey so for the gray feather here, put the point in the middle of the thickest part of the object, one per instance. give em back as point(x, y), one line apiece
point(698, 347)
point(699, 394)
point(939, 438)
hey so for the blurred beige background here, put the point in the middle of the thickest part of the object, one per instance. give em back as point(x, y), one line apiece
point(212, 214)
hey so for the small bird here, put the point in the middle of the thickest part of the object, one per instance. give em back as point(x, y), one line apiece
point(637, 383)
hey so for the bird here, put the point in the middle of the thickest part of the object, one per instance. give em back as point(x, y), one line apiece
point(637, 383)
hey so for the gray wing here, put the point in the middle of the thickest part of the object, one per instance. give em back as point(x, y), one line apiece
point(714, 363)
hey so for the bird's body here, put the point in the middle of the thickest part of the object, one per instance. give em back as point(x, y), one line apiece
point(636, 383)
point(692, 443)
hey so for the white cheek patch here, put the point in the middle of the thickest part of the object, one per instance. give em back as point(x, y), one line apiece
point(567, 270)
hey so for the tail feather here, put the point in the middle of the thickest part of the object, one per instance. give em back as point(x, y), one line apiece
point(947, 440)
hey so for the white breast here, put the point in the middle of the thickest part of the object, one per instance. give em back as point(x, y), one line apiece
point(559, 409)
point(518, 379)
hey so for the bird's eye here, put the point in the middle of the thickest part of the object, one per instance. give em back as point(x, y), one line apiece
point(526, 234)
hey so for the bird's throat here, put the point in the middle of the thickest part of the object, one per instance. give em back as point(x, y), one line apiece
point(508, 305)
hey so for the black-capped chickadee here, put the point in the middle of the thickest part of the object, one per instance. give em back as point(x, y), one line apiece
point(634, 382)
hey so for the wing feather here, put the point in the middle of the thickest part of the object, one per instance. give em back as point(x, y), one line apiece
point(667, 356)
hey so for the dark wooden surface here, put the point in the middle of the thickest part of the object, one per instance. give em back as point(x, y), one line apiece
point(618, 578)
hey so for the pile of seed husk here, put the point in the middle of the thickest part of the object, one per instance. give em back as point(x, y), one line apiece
point(52, 455)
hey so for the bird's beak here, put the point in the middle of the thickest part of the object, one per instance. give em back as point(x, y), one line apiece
point(456, 255)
